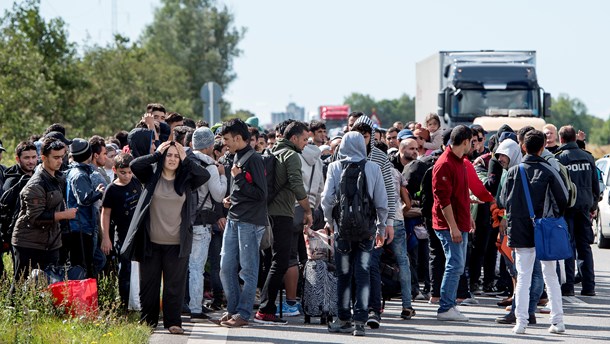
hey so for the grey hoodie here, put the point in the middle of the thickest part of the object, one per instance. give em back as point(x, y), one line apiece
point(310, 157)
point(352, 149)
point(216, 185)
point(511, 149)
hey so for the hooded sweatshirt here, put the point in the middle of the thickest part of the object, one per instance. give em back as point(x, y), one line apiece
point(140, 140)
point(352, 149)
point(511, 149)
point(216, 185)
point(314, 185)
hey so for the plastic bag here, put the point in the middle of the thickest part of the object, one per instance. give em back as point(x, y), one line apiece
point(79, 297)
point(134, 287)
point(318, 246)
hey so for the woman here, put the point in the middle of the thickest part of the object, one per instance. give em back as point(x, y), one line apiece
point(160, 234)
point(37, 235)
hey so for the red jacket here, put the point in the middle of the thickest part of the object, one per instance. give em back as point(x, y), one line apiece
point(450, 187)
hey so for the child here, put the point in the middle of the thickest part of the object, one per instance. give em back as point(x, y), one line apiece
point(433, 124)
point(118, 205)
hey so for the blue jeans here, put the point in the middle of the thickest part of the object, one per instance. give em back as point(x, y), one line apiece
point(455, 261)
point(239, 258)
point(375, 278)
point(353, 258)
point(399, 247)
point(202, 235)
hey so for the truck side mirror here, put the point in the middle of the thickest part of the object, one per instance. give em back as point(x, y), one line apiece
point(546, 105)
point(441, 104)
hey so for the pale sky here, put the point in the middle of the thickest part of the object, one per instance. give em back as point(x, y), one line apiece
point(317, 52)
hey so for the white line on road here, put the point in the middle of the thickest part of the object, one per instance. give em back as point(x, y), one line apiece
point(574, 300)
point(208, 334)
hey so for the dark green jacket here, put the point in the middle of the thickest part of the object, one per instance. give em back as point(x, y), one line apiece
point(288, 177)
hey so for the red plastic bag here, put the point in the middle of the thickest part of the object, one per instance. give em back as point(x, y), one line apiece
point(79, 297)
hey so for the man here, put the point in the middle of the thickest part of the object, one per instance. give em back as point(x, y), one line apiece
point(351, 119)
point(391, 137)
point(542, 179)
point(317, 131)
point(583, 173)
point(479, 143)
point(550, 132)
point(246, 221)
point(210, 192)
point(289, 183)
point(253, 137)
point(98, 177)
point(422, 135)
point(398, 125)
point(407, 152)
point(157, 111)
point(158, 115)
point(26, 158)
point(173, 119)
point(451, 217)
point(82, 194)
point(364, 125)
point(352, 257)
point(2, 167)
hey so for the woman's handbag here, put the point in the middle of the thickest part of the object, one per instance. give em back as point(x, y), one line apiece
point(550, 233)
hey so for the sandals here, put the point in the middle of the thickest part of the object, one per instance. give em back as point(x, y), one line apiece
point(175, 330)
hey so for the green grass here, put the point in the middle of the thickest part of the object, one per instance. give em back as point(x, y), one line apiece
point(30, 317)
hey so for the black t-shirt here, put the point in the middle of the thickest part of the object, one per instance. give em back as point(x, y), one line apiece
point(122, 200)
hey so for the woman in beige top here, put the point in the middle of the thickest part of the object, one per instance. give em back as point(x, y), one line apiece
point(160, 234)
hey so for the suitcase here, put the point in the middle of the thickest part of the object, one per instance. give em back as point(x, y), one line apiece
point(319, 292)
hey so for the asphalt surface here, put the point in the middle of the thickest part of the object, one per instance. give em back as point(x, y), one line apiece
point(587, 320)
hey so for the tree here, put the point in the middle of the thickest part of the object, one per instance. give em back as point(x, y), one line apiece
point(566, 110)
point(241, 114)
point(388, 110)
point(199, 37)
point(121, 79)
point(38, 75)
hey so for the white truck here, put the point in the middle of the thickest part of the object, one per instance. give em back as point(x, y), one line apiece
point(484, 87)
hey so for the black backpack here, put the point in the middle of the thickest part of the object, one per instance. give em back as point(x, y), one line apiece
point(354, 211)
point(10, 206)
point(270, 162)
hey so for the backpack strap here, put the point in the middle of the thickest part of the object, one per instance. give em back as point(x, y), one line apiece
point(526, 190)
point(244, 158)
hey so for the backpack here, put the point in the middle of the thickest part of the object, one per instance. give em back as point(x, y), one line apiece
point(10, 206)
point(199, 215)
point(354, 211)
point(567, 181)
point(270, 162)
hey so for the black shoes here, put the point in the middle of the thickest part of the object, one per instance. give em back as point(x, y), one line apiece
point(510, 319)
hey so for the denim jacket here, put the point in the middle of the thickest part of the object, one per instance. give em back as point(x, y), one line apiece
point(81, 194)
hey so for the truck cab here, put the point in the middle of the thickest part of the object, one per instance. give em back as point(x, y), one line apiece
point(471, 85)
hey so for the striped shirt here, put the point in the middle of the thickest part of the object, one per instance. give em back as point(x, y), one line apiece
point(380, 158)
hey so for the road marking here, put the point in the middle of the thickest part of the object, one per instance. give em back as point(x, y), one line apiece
point(574, 300)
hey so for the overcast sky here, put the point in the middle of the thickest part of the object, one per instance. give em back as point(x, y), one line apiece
point(316, 52)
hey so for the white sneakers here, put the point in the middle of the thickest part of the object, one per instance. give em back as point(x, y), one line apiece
point(518, 329)
point(453, 314)
point(559, 328)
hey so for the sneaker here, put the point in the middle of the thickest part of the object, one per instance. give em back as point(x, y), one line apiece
point(358, 330)
point(199, 317)
point(175, 330)
point(216, 306)
point(235, 321)
point(288, 310)
point(471, 301)
point(434, 300)
point(340, 326)
point(545, 310)
point(419, 297)
point(269, 319)
point(567, 292)
point(588, 293)
point(559, 328)
point(407, 313)
point(373, 321)
point(518, 329)
point(453, 314)
point(225, 317)
point(475, 288)
point(491, 290)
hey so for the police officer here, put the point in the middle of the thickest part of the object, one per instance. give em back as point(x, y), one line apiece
point(583, 173)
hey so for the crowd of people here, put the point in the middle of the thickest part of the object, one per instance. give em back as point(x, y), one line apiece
point(442, 211)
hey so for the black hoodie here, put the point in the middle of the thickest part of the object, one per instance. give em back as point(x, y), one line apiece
point(140, 140)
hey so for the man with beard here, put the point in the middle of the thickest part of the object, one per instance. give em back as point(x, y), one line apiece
point(26, 158)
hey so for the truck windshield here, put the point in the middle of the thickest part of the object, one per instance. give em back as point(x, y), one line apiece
point(474, 103)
